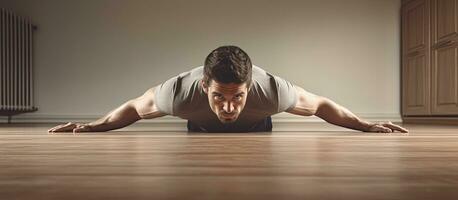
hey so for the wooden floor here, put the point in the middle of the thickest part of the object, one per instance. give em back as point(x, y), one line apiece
point(320, 163)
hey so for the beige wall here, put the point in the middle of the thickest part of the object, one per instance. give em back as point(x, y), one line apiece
point(92, 56)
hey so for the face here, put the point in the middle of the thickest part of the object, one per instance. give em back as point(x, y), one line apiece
point(226, 100)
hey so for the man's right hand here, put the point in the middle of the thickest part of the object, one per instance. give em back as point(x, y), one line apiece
point(71, 127)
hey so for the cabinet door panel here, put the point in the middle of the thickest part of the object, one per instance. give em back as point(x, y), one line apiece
point(415, 26)
point(445, 79)
point(416, 74)
point(444, 20)
point(416, 85)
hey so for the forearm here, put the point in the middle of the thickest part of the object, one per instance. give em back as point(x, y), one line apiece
point(120, 117)
point(339, 115)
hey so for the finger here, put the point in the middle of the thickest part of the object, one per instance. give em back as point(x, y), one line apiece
point(397, 128)
point(52, 130)
point(381, 129)
point(400, 128)
point(80, 128)
point(49, 130)
point(77, 130)
point(66, 128)
point(59, 126)
point(387, 130)
point(375, 128)
point(63, 129)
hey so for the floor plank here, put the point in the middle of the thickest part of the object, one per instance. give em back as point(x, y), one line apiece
point(321, 163)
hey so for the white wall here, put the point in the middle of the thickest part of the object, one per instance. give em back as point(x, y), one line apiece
point(93, 55)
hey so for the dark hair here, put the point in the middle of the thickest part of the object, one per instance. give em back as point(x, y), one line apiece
point(228, 64)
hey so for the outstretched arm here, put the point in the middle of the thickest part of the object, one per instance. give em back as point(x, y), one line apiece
point(310, 104)
point(142, 107)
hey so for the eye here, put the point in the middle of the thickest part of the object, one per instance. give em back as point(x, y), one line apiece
point(238, 97)
point(218, 97)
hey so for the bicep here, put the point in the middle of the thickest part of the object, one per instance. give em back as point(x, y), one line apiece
point(307, 103)
point(145, 105)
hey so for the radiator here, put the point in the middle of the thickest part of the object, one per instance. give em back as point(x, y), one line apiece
point(16, 63)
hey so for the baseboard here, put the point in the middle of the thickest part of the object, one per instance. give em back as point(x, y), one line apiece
point(281, 121)
point(431, 120)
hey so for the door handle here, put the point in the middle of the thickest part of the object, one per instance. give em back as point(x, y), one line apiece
point(415, 53)
point(444, 44)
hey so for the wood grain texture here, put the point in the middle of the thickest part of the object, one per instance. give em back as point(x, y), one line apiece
point(322, 163)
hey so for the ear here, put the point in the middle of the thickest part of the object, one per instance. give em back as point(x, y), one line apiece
point(204, 86)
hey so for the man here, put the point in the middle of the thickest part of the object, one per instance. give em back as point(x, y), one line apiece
point(227, 94)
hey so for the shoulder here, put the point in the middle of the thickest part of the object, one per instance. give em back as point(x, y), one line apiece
point(262, 95)
point(265, 80)
point(273, 90)
point(177, 90)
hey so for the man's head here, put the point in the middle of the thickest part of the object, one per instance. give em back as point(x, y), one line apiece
point(227, 79)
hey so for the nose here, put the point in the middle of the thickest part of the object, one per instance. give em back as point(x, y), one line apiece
point(228, 107)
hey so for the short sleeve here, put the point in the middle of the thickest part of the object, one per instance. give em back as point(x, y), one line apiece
point(287, 96)
point(164, 95)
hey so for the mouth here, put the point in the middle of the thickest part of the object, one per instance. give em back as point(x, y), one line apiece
point(228, 117)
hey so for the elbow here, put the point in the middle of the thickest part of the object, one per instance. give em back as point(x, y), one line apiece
point(321, 106)
point(306, 107)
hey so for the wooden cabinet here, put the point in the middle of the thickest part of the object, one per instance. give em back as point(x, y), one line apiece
point(416, 58)
point(429, 58)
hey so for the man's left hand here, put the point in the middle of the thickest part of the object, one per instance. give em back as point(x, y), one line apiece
point(387, 127)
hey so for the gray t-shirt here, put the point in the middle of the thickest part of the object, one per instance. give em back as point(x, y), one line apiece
point(183, 96)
